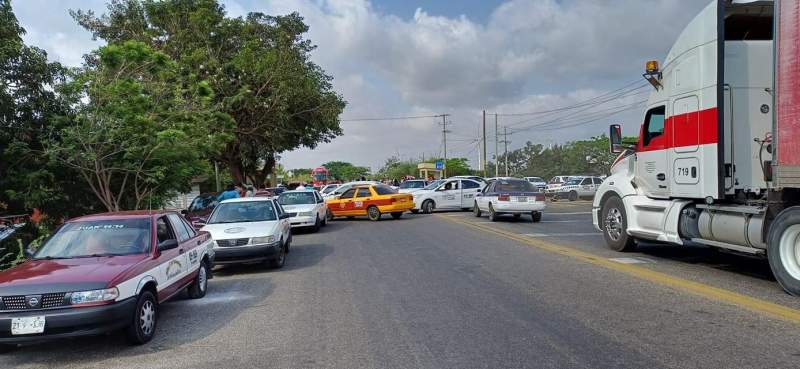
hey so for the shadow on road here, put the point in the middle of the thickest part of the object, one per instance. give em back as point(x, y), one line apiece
point(711, 258)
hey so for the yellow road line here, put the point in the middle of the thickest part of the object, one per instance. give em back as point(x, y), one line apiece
point(700, 289)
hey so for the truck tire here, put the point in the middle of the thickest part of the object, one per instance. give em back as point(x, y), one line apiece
point(614, 223)
point(783, 249)
point(145, 316)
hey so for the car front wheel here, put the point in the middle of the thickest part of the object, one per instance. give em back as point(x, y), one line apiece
point(145, 317)
point(200, 285)
point(476, 210)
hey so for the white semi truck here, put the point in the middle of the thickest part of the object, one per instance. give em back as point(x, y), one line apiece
point(718, 156)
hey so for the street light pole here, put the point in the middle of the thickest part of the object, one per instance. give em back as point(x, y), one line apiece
point(496, 143)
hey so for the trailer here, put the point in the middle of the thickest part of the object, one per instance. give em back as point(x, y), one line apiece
point(718, 157)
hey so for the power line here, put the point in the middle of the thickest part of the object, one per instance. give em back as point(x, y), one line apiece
point(389, 118)
point(573, 116)
point(578, 104)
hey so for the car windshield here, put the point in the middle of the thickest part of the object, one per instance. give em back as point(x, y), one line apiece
point(296, 198)
point(573, 182)
point(97, 238)
point(514, 186)
point(203, 202)
point(412, 184)
point(434, 184)
point(242, 212)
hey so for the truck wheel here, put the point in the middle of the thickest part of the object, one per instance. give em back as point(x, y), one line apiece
point(783, 249)
point(427, 206)
point(536, 216)
point(145, 317)
point(573, 195)
point(476, 210)
point(198, 288)
point(373, 213)
point(615, 225)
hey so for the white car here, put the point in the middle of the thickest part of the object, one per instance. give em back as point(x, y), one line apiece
point(328, 188)
point(412, 185)
point(554, 183)
point(306, 208)
point(510, 196)
point(344, 187)
point(250, 229)
point(578, 187)
point(537, 182)
point(450, 194)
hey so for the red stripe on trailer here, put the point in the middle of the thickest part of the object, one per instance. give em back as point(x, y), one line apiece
point(684, 130)
point(786, 83)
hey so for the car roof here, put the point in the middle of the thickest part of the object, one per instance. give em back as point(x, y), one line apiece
point(129, 214)
point(300, 190)
point(246, 199)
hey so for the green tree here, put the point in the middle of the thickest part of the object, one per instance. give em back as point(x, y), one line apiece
point(138, 134)
point(344, 171)
point(259, 66)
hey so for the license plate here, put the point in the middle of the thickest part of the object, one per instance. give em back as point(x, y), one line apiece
point(27, 325)
point(522, 199)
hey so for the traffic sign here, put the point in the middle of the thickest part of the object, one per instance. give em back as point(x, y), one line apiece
point(440, 164)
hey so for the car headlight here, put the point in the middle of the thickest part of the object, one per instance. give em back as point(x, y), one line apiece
point(260, 240)
point(93, 297)
point(305, 214)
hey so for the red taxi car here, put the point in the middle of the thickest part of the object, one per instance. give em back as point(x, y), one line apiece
point(102, 273)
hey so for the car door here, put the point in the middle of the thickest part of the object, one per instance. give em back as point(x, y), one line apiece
point(284, 224)
point(344, 205)
point(469, 189)
point(485, 196)
point(361, 200)
point(172, 263)
point(194, 252)
point(651, 155)
point(448, 196)
point(319, 206)
point(585, 187)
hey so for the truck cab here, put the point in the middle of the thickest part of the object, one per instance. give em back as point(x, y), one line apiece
point(702, 169)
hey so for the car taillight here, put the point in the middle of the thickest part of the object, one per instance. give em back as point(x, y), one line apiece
point(394, 200)
point(503, 198)
point(540, 197)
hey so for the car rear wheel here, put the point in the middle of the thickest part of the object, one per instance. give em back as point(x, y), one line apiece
point(536, 216)
point(476, 210)
point(492, 213)
point(397, 215)
point(615, 225)
point(373, 213)
point(427, 206)
point(783, 249)
point(198, 288)
point(145, 317)
point(573, 195)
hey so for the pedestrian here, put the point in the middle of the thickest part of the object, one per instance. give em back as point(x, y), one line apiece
point(241, 189)
point(230, 193)
point(251, 191)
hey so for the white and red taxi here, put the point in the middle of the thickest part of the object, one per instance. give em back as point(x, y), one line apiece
point(101, 273)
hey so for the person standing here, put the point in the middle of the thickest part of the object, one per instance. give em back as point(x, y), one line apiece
point(230, 193)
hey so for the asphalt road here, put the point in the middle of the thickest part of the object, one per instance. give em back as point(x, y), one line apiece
point(453, 291)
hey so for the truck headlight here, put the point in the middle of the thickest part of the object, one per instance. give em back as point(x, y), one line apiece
point(260, 240)
point(94, 297)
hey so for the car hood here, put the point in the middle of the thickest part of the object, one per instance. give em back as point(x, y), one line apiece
point(65, 275)
point(298, 208)
point(224, 231)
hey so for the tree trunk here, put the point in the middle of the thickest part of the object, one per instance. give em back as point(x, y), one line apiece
point(269, 165)
point(234, 160)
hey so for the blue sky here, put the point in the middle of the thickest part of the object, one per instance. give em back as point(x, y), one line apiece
point(406, 58)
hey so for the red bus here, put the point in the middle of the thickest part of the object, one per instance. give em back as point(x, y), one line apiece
point(320, 176)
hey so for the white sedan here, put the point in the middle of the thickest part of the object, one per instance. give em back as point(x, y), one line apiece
point(306, 208)
point(451, 194)
point(250, 229)
point(344, 187)
point(412, 185)
point(510, 196)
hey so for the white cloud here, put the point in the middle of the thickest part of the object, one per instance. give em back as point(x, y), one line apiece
point(529, 55)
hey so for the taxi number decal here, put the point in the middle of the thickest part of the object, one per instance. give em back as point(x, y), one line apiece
point(359, 204)
point(193, 257)
point(469, 195)
point(450, 197)
point(341, 205)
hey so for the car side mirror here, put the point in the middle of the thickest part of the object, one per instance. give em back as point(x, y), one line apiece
point(168, 245)
point(185, 212)
point(615, 138)
point(199, 224)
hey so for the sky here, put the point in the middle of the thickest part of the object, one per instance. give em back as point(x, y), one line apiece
point(401, 58)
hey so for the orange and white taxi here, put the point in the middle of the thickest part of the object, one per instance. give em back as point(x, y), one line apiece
point(372, 201)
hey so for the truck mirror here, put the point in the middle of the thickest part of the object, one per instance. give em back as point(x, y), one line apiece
point(615, 138)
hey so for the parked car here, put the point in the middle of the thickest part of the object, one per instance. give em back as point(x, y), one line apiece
point(412, 185)
point(201, 207)
point(474, 178)
point(370, 200)
point(270, 191)
point(453, 193)
point(328, 188)
point(578, 188)
point(537, 182)
point(510, 196)
point(554, 183)
point(306, 208)
point(250, 229)
point(103, 273)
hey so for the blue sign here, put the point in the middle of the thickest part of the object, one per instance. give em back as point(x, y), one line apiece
point(440, 164)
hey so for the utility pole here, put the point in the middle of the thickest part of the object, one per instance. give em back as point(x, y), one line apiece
point(444, 143)
point(505, 147)
point(496, 143)
point(483, 158)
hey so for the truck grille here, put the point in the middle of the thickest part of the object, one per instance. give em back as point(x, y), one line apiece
point(233, 242)
point(48, 300)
